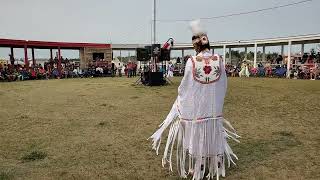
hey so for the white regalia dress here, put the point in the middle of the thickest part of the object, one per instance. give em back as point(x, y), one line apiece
point(196, 122)
point(170, 71)
point(244, 71)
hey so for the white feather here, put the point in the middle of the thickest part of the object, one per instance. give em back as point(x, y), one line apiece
point(196, 27)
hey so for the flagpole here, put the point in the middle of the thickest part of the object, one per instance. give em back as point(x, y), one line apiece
point(154, 34)
point(154, 21)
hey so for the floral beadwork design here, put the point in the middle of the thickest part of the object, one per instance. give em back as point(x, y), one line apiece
point(216, 71)
point(198, 73)
point(206, 70)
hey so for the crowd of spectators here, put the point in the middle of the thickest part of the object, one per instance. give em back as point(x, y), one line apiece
point(130, 69)
point(305, 67)
point(16, 72)
point(69, 69)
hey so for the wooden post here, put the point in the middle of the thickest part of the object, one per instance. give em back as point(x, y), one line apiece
point(230, 56)
point(33, 59)
point(59, 62)
point(263, 53)
point(12, 56)
point(289, 59)
point(255, 55)
point(51, 55)
point(26, 61)
point(224, 54)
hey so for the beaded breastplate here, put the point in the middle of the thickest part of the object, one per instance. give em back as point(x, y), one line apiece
point(206, 70)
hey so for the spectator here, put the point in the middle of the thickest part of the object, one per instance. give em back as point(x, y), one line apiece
point(75, 73)
point(120, 70)
point(134, 69)
point(318, 57)
point(170, 70)
point(279, 59)
point(126, 70)
point(33, 74)
point(129, 66)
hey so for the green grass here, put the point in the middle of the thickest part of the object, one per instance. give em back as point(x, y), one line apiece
point(98, 129)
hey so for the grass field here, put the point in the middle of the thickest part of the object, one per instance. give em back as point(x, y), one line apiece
point(98, 129)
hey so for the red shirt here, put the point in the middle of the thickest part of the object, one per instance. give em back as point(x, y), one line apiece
point(129, 66)
point(33, 73)
point(42, 71)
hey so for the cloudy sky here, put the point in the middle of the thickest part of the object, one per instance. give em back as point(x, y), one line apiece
point(128, 21)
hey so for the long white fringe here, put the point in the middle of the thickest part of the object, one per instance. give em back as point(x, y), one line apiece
point(203, 143)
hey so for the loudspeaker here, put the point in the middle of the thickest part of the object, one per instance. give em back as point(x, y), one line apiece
point(97, 56)
point(155, 50)
point(149, 51)
point(153, 78)
point(142, 54)
point(164, 55)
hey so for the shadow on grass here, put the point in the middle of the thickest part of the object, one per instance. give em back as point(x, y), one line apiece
point(104, 124)
point(108, 105)
point(6, 175)
point(253, 153)
point(33, 156)
point(134, 97)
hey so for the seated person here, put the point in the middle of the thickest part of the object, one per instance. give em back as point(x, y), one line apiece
point(33, 74)
point(261, 71)
point(75, 73)
point(55, 73)
point(280, 71)
point(318, 57)
point(295, 74)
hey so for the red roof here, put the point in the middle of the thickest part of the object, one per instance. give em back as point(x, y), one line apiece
point(46, 44)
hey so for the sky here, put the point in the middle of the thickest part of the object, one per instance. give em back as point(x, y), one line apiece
point(129, 21)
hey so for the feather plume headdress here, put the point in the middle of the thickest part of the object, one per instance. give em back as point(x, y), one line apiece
point(197, 28)
point(200, 39)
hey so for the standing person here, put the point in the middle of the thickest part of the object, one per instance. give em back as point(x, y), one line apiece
point(120, 70)
point(11, 59)
point(196, 121)
point(113, 70)
point(134, 69)
point(318, 57)
point(126, 70)
point(170, 70)
point(129, 66)
point(279, 59)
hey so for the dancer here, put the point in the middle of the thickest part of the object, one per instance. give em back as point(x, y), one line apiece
point(170, 70)
point(196, 122)
point(244, 69)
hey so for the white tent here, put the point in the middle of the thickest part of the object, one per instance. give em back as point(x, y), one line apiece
point(116, 62)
